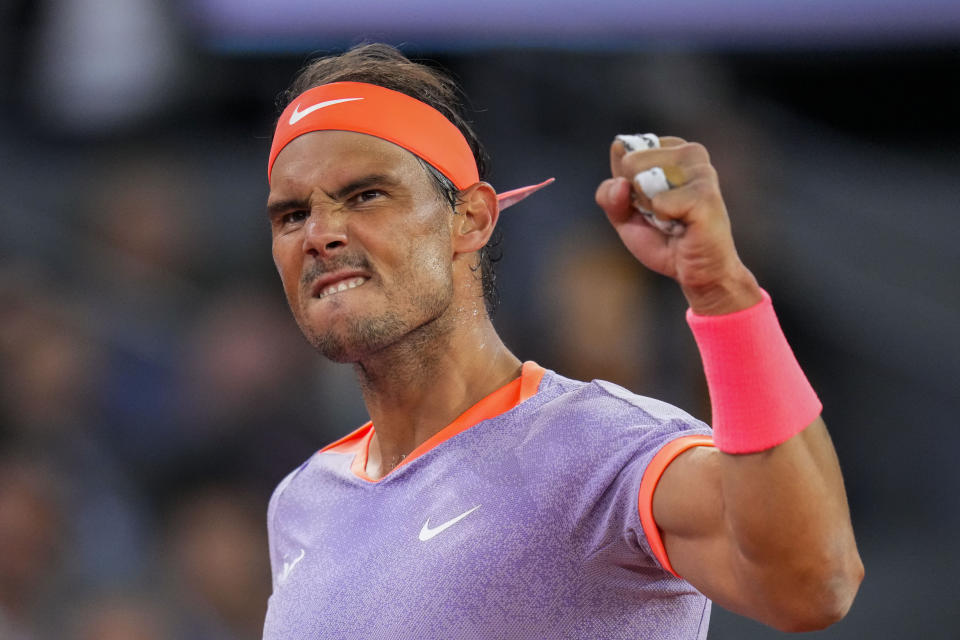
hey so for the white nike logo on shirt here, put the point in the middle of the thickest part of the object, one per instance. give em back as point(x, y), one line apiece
point(288, 567)
point(297, 114)
point(426, 533)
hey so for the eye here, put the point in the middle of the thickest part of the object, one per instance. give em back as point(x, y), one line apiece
point(368, 195)
point(294, 217)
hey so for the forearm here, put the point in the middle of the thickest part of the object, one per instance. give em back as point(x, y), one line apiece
point(784, 504)
point(790, 532)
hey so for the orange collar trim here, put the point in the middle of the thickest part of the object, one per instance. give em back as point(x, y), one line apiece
point(499, 402)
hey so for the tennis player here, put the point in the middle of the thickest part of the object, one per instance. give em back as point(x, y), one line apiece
point(493, 498)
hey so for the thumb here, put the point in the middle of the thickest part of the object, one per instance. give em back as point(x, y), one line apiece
point(613, 196)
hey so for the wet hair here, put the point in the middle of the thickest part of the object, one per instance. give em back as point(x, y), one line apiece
point(386, 66)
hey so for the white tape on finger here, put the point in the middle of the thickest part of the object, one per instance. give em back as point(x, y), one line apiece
point(669, 227)
point(652, 181)
point(639, 141)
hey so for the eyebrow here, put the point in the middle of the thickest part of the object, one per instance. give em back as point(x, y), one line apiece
point(365, 182)
point(289, 204)
point(372, 180)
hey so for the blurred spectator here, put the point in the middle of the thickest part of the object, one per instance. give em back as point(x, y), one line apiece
point(120, 617)
point(50, 371)
point(50, 380)
point(215, 549)
point(598, 297)
point(31, 535)
point(603, 315)
point(137, 277)
point(246, 395)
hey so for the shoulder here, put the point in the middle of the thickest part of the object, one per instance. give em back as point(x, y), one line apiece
point(606, 402)
point(281, 488)
point(598, 425)
point(335, 458)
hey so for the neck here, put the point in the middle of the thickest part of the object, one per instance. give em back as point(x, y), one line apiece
point(415, 388)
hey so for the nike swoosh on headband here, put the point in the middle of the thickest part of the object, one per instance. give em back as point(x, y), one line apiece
point(297, 114)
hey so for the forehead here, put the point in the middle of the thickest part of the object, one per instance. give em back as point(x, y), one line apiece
point(330, 158)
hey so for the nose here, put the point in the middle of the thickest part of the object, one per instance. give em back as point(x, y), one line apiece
point(325, 234)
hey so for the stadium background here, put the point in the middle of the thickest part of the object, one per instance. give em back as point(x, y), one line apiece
point(154, 389)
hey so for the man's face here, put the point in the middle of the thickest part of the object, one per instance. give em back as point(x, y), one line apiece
point(362, 242)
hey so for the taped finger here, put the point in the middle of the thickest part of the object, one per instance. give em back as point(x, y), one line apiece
point(652, 181)
point(639, 141)
point(659, 179)
point(669, 227)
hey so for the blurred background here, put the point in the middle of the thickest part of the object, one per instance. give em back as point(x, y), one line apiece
point(155, 389)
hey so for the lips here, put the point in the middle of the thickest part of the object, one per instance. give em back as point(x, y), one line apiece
point(343, 285)
point(337, 283)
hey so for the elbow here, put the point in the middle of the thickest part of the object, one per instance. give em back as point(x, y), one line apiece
point(824, 599)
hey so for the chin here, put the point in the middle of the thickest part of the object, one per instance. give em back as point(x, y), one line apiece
point(336, 350)
point(357, 338)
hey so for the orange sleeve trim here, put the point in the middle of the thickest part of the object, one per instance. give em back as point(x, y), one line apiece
point(648, 484)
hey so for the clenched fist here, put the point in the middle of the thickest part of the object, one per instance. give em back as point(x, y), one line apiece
point(702, 259)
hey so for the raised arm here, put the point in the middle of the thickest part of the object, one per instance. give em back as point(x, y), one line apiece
point(759, 524)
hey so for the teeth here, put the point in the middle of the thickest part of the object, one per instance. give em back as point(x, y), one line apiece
point(343, 285)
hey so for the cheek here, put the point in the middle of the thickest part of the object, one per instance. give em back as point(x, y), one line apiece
point(288, 267)
point(429, 257)
point(435, 245)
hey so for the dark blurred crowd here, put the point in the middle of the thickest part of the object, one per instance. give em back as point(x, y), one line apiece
point(154, 389)
point(149, 406)
point(143, 424)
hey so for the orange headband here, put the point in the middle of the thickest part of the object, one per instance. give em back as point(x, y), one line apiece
point(391, 116)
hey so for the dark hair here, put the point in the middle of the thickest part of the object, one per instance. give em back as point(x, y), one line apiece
point(386, 66)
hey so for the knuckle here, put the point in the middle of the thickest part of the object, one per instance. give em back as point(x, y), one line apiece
point(704, 189)
point(695, 153)
point(707, 173)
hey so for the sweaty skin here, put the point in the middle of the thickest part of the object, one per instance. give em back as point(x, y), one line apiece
point(767, 535)
point(379, 272)
point(345, 206)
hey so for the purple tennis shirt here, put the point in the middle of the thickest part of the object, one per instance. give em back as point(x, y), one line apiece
point(519, 520)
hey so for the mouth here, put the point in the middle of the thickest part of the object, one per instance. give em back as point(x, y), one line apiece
point(340, 285)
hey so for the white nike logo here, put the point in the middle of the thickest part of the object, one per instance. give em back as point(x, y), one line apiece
point(288, 567)
point(297, 114)
point(426, 533)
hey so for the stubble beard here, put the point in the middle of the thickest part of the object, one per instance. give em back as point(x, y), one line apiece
point(359, 337)
point(366, 334)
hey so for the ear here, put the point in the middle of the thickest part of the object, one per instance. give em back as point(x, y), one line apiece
point(478, 214)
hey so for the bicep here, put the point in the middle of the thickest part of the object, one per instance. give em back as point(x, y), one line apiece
point(767, 534)
point(688, 507)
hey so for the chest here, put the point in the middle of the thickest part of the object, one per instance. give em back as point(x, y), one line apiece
point(453, 547)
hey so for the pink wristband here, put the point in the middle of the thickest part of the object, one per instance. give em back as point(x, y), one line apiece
point(759, 394)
